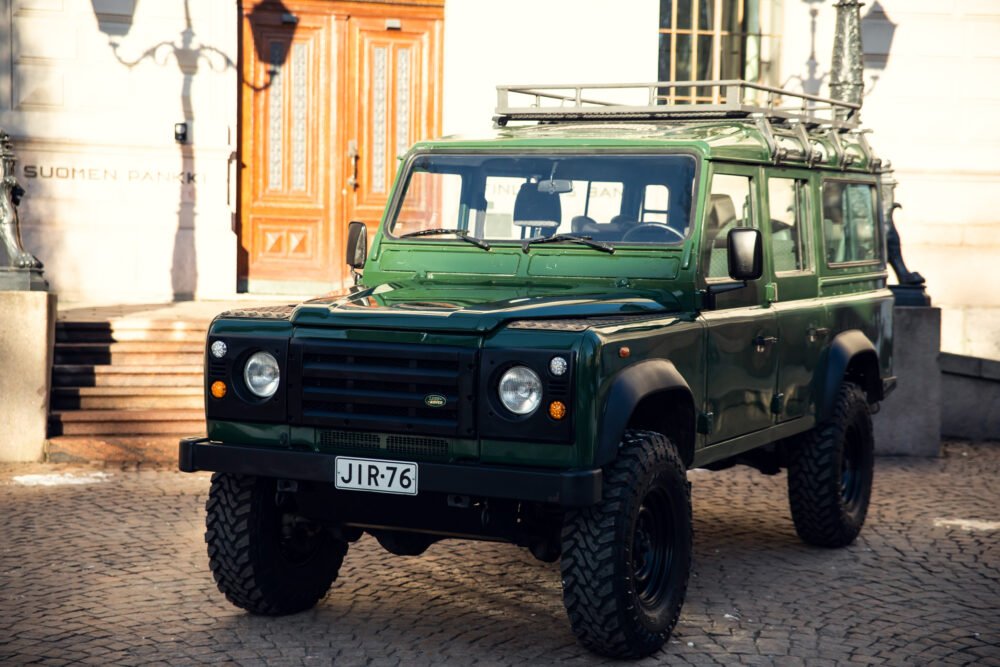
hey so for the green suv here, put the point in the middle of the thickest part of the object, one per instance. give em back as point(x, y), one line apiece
point(553, 324)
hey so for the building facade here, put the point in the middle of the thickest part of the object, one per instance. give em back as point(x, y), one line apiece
point(174, 149)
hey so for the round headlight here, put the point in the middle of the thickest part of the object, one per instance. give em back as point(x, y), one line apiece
point(520, 390)
point(261, 374)
point(219, 349)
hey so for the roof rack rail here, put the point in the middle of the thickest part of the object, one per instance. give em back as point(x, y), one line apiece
point(722, 99)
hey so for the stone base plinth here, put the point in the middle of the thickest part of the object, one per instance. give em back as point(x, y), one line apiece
point(909, 422)
point(27, 334)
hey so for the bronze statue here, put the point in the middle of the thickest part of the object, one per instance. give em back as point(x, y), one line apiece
point(12, 252)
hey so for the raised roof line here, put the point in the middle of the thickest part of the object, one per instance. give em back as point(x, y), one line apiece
point(729, 99)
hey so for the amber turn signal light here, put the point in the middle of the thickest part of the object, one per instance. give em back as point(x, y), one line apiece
point(557, 410)
point(218, 389)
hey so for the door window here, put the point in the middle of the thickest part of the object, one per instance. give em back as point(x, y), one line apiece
point(787, 201)
point(729, 206)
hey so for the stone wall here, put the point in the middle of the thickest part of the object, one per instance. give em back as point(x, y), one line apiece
point(90, 93)
point(932, 101)
point(970, 405)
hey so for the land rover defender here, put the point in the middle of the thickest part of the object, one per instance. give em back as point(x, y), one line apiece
point(553, 324)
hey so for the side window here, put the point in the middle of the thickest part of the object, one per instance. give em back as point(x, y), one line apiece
point(729, 206)
point(655, 203)
point(850, 225)
point(787, 200)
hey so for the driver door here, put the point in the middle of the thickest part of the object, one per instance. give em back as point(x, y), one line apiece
point(742, 332)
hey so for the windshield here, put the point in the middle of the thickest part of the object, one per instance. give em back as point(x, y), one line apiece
point(627, 199)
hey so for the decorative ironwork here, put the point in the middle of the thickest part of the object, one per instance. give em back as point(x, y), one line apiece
point(275, 118)
point(379, 120)
point(402, 100)
point(299, 75)
point(847, 74)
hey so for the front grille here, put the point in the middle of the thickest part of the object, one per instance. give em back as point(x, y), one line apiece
point(394, 388)
point(349, 440)
point(408, 444)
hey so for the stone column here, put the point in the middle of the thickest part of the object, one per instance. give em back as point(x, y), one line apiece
point(27, 335)
point(27, 329)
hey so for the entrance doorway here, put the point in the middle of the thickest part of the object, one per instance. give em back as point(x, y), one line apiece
point(331, 94)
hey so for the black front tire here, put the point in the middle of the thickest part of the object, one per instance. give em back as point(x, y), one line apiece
point(830, 472)
point(264, 557)
point(626, 560)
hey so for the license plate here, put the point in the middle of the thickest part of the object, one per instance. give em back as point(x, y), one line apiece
point(376, 475)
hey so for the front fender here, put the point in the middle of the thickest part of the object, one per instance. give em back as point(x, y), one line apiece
point(627, 391)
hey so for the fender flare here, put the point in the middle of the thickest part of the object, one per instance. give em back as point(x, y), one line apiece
point(847, 347)
point(627, 390)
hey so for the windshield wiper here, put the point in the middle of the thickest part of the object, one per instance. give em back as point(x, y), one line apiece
point(460, 233)
point(569, 238)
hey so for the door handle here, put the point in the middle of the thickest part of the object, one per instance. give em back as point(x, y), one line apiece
point(352, 153)
point(815, 333)
point(761, 342)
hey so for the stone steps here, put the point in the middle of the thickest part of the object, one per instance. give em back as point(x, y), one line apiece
point(126, 389)
point(125, 398)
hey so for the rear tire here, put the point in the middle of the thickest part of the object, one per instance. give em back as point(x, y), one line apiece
point(626, 560)
point(830, 473)
point(264, 558)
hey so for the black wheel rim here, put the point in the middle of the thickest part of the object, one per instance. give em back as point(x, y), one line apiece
point(851, 472)
point(653, 549)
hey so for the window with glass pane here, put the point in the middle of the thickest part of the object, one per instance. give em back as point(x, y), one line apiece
point(729, 207)
point(713, 40)
point(850, 223)
point(655, 203)
point(787, 203)
point(507, 197)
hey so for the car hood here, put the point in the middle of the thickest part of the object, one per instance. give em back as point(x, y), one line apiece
point(427, 307)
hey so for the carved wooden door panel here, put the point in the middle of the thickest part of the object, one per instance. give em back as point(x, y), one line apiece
point(286, 200)
point(332, 93)
point(395, 79)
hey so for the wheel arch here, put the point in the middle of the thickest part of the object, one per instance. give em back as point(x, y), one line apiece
point(851, 356)
point(650, 395)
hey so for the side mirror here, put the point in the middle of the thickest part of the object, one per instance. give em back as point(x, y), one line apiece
point(357, 244)
point(746, 254)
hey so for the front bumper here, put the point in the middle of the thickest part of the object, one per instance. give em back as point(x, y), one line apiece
point(573, 488)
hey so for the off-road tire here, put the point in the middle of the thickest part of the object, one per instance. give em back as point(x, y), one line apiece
point(253, 564)
point(830, 471)
point(603, 584)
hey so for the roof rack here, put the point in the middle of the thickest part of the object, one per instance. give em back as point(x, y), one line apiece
point(723, 99)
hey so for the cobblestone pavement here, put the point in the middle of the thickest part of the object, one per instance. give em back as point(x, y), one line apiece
point(115, 571)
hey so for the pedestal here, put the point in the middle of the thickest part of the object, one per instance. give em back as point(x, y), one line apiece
point(909, 422)
point(27, 336)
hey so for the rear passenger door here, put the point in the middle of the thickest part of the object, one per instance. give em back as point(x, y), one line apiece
point(742, 333)
point(790, 240)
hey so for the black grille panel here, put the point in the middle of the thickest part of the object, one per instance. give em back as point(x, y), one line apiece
point(408, 444)
point(382, 387)
point(349, 440)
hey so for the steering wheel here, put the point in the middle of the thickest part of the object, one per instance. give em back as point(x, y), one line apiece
point(652, 231)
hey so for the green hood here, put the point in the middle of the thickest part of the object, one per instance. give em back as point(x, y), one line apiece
point(429, 307)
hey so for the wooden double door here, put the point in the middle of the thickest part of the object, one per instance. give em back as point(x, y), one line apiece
point(331, 94)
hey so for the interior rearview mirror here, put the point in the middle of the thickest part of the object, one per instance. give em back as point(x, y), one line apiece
point(746, 253)
point(357, 244)
point(552, 187)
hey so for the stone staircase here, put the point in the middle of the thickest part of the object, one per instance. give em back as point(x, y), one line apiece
point(125, 389)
